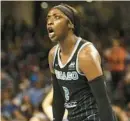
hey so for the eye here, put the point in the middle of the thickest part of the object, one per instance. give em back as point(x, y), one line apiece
point(57, 17)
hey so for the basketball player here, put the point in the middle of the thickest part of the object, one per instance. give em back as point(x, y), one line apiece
point(75, 64)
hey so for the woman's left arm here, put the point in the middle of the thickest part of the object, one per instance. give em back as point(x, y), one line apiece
point(90, 65)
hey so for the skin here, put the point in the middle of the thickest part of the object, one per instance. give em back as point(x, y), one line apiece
point(89, 58)
point(47, 105)
point(120, 113)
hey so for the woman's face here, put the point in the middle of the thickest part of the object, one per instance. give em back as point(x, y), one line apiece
point(57, 25)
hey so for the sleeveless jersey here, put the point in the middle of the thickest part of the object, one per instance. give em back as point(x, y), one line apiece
point(79, 101)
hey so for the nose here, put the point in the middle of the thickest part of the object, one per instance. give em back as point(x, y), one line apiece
point(49, 21)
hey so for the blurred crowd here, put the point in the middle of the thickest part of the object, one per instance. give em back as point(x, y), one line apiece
point(26, 79)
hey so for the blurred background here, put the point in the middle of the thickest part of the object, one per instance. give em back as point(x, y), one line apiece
point(25, 76)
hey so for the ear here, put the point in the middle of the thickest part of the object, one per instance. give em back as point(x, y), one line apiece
point(70, 25)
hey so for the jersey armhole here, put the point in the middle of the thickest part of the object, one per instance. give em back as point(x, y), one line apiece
point(77, 60)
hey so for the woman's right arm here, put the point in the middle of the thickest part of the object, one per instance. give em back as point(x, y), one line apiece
point(58, 100)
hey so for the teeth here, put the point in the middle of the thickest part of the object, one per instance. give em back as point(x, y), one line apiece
point(51, 34)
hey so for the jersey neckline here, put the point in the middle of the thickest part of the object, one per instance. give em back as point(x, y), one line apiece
point(70, 57)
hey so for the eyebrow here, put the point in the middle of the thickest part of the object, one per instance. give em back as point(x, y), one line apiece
point(53, 14)
point(49, 15)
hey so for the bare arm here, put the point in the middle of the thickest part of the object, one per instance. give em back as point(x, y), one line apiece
point(90, 65)
point(120, 113)
point(90, 62)
point(58, 100)
point(47, 104)
point(51, 59)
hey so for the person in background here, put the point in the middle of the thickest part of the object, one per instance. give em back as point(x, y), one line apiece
point(121, 115)
point(116, 56)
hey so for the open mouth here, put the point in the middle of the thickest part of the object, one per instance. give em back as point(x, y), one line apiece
point(50, 30)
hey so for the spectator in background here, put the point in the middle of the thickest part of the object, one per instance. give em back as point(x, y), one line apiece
point(8, 27)
point(36, 93)
point(7, 107)
point(116, 59)
point(12, 52)
point(24, 82)
point(120, 113)
point(21, 27)
point(18, 116)
point(26, 107)
point(38, 115)
point(28, 43)
point(4, 59)
point(7, 81)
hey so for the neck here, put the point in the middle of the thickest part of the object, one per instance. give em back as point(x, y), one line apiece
point(68, 43)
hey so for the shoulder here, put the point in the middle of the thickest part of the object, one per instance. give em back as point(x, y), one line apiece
point(90, 62)
point(88, 52)
point(51, 57)
point(52, 51)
